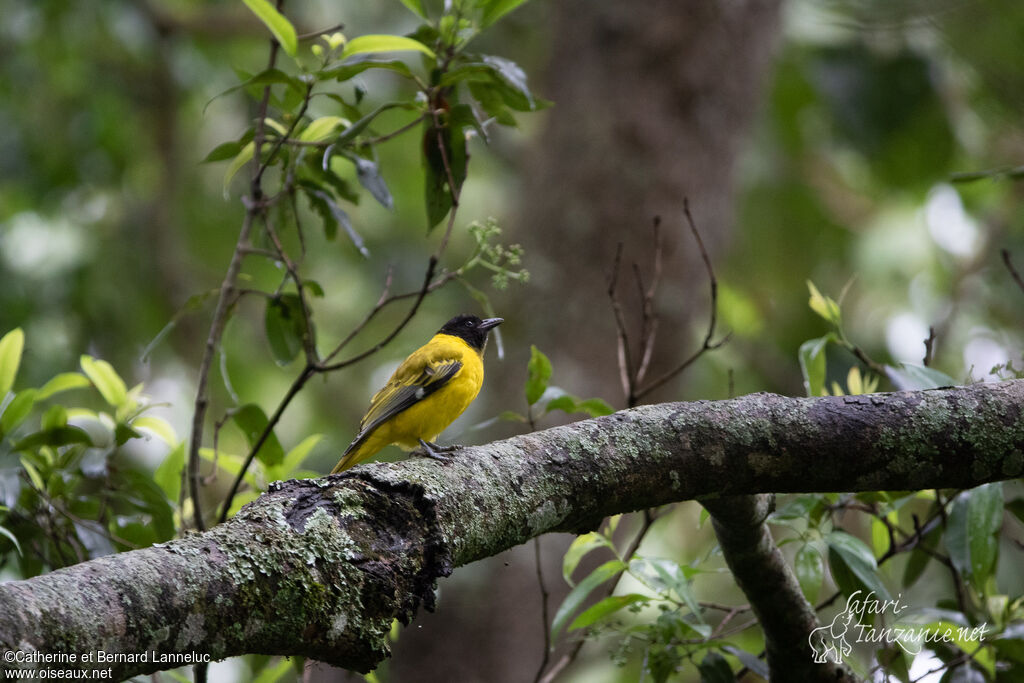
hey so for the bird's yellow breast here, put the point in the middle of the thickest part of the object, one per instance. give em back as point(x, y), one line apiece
point(428, 418)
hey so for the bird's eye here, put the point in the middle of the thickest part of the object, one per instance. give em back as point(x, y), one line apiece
point(470, 323)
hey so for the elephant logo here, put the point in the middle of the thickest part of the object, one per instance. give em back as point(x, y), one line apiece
point(830, 641)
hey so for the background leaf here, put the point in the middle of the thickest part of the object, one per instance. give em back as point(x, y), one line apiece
point(11, 346)
point(538, 373)
point(282, 29)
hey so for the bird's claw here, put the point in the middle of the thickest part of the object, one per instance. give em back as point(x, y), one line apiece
point(433, 450)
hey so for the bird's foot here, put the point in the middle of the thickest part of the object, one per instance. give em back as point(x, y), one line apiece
point(430, 449)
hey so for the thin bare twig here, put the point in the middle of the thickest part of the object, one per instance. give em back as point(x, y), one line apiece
point(321, 32)
point(543, 610)
point(649, 327)
point(625, 357)
point(707, 344)
point(929, 346)
point(1013, 271)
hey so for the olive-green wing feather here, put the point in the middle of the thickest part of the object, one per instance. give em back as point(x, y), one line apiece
point(401, 393)
point(405, 388)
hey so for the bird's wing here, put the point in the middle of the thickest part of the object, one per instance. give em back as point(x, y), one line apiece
point(409, 385)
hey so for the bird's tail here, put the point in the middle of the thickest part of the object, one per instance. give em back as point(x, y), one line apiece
point(362, 447)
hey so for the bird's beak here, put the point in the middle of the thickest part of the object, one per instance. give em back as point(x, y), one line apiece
point(488, 323)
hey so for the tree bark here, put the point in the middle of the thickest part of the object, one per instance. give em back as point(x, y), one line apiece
point(653, 101)
point(320, 567)
point(772, 588)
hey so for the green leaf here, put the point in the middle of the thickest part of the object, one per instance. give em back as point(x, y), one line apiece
point(158, 427)
point(282, 29)
point(33, 474)
point(580, 546)
point(512, 74)
point(322, 128)
point(439, 190)
point(810, 571)
point(55, 416)
point(752, 662)
point(240, 160)
point(567, 403)
point(383, 43)
point(579, 594)
point(360, 125)
point(910, 377)
point(251, 419)
point(65, 381)
point(295, 456)
point(538, 374)
point(124, 433)
point(106, 380)
point(147, 496)
point(223, 151)
point(824, 306)
point(168, 474)
point(984, 520)
point(17, 410)
point(58, 436)
point(7, 534)
point(496, 9)
point(284, 326)
point(853, 566)
point(812, 364)
point(916, 564)
point(715, 669)
point(416, 7)
point(606, 607)
point(357, 65)
point(11, 346)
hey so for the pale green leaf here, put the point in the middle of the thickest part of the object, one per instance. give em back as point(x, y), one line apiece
point(158, 427)
point(295, 456)
point(11, 347)
point(605, 608)
point(812, 364)
point(383, 43)
point(33, 475)
point(240, 160)
point(580, 546)
point(321, 128)
point(18, 409)
point(282, 29)
point(7, 534)
point(168, 474)
point(105, 379)
point(65, 381)
point(824, 306)
point(579, 594)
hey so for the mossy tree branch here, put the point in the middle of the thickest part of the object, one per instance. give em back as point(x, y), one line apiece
point(320, 567)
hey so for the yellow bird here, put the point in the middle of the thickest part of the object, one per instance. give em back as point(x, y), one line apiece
point(431, 388)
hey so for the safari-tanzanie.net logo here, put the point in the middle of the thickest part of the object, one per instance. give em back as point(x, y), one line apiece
point(880, 623)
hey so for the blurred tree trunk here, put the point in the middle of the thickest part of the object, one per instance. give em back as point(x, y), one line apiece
point(652, 103)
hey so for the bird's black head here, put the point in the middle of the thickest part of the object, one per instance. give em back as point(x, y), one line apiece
point(470, 329)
